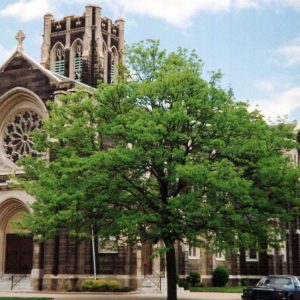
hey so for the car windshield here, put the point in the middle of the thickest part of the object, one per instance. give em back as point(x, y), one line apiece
point(281, 282)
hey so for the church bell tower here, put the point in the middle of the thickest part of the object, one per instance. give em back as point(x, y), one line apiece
point(85, 48)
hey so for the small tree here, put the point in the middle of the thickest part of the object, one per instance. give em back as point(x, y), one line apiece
point(162, 155)
point(220, 276)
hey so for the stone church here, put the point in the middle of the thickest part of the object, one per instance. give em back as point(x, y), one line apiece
point(81, 51)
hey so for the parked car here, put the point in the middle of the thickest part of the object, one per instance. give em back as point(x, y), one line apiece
point(274, 287)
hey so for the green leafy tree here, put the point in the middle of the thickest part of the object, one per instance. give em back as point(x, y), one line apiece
point(162, 156)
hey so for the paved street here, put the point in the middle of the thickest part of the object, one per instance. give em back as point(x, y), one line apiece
point(79, 296)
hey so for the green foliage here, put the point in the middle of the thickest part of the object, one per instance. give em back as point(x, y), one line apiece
point(193, 278)
point(183, 282)
point(198, 161)
point(220, 276)
point(102, 285)
point(246, 282)
point(213, 289)
point(162, 155)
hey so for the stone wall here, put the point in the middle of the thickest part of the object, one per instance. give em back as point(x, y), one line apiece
point(20, 73)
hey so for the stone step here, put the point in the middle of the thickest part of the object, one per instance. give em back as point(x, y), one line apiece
point(148, 286)
point(149, 290)
point(23, 284)
point(5, 283)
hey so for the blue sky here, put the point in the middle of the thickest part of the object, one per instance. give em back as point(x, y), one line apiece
point(255, 43)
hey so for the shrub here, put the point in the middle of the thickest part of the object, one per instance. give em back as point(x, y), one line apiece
point(88, 285)
point(102, 285)
point(200, 285)
point(220, 276)
point(183, 283)
point(125, 289)
point(193, 278)
point(248, 282)
point(186, 285)
point(180, 282)
point(245, 282)
point(114, 285)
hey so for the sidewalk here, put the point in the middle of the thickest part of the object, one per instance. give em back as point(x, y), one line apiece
point(133, 296)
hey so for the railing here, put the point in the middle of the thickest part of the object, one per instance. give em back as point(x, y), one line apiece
point(155, 277)
point(15, 279)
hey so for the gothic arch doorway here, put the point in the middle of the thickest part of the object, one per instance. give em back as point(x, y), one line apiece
point(16, 250)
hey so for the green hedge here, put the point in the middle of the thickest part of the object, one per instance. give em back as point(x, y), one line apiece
point(214, 289)
point(103, 285)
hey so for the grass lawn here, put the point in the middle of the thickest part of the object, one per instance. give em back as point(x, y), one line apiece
point(225, 289)
point(22, 298)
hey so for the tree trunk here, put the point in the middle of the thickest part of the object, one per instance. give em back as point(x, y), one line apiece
point(171, 273)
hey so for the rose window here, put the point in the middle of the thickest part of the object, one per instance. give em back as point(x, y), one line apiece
point(17, 139)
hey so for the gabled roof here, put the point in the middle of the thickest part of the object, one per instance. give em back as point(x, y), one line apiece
point(45, 71)
point(51, 75)
point(77, 83)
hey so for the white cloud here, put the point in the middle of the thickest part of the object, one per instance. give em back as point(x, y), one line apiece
point(270, 86)
point(291, 53)
point(279, 105)
point(177, 12)
point(279, 98)
point(27, 10)
point(247, 3)
point(292, 3)
point(180, 12)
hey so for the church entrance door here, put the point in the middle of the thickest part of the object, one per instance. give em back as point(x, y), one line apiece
point(146, 258)
point(19, 252)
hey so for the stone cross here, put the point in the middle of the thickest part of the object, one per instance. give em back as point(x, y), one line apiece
point(20, 37)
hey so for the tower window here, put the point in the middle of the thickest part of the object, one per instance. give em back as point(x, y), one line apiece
point(113, 71)
point(78, 62)
point(59, 60)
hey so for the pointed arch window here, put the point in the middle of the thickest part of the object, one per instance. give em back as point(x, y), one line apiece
point(59, 67)
point(78, 61)
point(114, 65)
point(105, 63)
point(113, 71)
